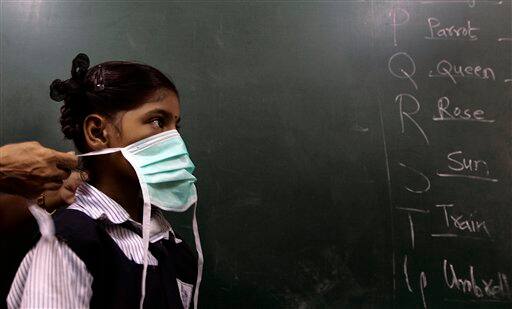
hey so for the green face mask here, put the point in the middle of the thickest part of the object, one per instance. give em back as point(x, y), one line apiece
point(164, 166)
point(164, 170)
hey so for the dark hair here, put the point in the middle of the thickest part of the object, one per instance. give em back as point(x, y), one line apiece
point(106, 88)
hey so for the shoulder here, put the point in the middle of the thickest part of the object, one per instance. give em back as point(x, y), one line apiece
point(81, 233)
point(75, 225)
point(51, 274)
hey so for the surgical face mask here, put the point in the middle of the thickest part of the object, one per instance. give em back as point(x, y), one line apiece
point(164, 170)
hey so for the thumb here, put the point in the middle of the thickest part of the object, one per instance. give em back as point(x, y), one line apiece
point(66, 160)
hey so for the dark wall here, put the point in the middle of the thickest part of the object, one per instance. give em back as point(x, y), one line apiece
point(293, 119)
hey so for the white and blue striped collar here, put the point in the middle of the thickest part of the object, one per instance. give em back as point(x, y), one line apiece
point(99, 206)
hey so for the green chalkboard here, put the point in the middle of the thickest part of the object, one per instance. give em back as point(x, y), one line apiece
point(350, 154)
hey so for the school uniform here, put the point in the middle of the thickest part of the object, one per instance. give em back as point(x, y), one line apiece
point(95, 260)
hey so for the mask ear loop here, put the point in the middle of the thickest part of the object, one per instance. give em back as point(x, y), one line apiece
point(146, 216)
point(44, 221)
point(100, 152)
point(200, 259)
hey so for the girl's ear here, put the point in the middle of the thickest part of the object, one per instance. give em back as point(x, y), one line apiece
point(96, 132)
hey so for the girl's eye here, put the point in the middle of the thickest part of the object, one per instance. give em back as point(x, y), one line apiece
point(158, 123)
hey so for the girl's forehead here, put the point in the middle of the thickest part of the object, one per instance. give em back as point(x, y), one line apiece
point(161, 94)
point(165, 99)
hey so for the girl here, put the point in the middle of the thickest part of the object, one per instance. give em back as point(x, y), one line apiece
point(97, 254)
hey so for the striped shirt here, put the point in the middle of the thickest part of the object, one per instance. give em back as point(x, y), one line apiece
point(52, 276)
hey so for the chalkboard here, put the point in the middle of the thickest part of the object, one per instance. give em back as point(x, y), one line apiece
point(350, 154)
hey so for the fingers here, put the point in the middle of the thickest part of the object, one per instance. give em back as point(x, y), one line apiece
point(30, 168)
point(66, 160)
point(74, 181)
point(84, 176)
point(67, 194)
point(61, 175)
point(52, 186)
point(50, 175)
point(70, 185)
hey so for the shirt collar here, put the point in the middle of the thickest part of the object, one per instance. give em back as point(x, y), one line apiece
point(99, 206)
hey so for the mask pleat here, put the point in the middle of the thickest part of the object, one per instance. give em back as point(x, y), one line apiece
point(169, 165)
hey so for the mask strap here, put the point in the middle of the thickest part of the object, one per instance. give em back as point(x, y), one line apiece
point(100, 152)
point(146, 216)
point(44, 221)
point(200, 259)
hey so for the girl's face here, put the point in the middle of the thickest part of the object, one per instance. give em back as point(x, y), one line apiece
point(158, 114)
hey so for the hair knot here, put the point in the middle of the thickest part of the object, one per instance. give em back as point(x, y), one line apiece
point(61, 90)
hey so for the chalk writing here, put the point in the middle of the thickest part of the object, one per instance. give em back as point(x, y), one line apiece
point(411, 222)
point(401, 65)
point(424, 177)
point(440, 32)
point(423, 285)
point(470, 3)
point(478, 288)
point(447, 113)
point(467, 167)
point(399, 17)
point(462, 222)
point(451, 39)
point(452, 71)
point(401, 100)
point(406, 274)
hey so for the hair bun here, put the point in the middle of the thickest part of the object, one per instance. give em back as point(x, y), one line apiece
point(57, 90)
point(60, 90)
point(79, 68)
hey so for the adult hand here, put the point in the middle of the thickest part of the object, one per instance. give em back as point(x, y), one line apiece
point(65, 195)
point(68, 188)
point(14, 208)
point(28, 169)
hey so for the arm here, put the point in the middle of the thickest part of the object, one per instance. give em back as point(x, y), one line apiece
point(14, 208)
point(13, 213)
